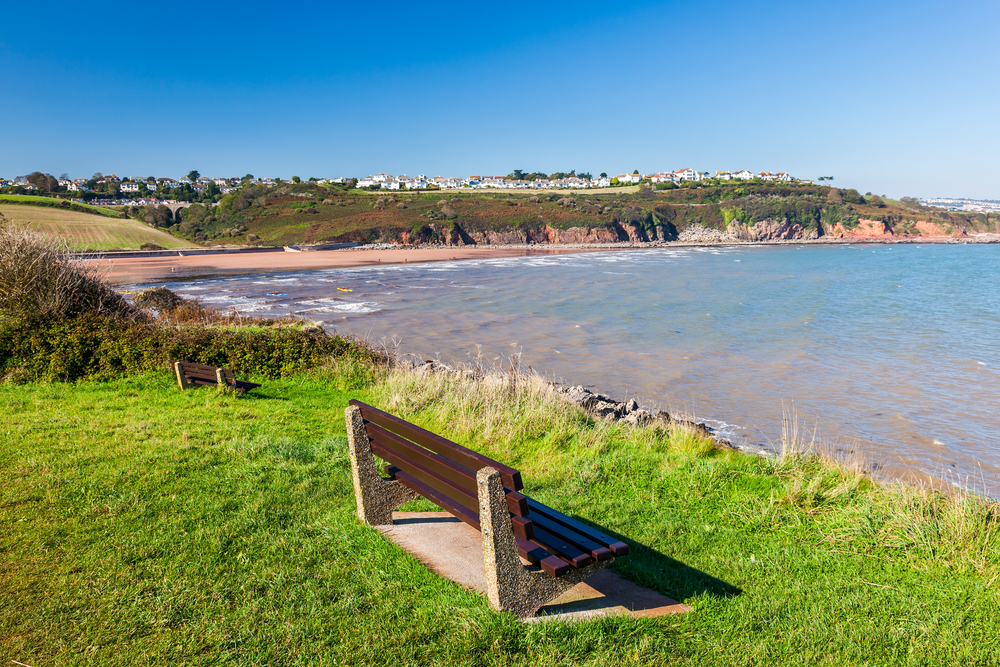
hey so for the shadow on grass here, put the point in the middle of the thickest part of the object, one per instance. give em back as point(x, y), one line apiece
point(648, 567)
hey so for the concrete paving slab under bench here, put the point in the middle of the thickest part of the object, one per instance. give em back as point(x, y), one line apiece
point(454, 550)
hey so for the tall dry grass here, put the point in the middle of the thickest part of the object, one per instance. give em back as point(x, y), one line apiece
point(496, 410)
point(926, 518)
point(39, 277)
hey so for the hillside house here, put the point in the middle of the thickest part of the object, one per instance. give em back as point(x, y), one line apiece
point(129, 187)
point(723, 175)
point(743, 175)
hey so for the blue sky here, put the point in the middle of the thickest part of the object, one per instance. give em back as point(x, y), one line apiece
point(894, 98)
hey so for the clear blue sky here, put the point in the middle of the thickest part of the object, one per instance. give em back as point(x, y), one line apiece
point(897, 98)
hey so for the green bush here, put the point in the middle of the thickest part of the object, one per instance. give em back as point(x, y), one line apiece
point(101, 347)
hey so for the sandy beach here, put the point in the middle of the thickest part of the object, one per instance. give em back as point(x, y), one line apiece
point(151, 269)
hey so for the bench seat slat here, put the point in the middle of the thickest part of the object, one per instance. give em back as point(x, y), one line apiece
point(598, 551)
point(562, 548)
point(439, 465)
point(451, 450)
point(616, 547)
point(552, 565)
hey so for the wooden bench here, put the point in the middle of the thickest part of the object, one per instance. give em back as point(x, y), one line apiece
point(193, 375)
point(483, 493)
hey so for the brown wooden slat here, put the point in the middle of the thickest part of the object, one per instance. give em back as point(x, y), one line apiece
point(522, 527)
point(562, 548)
point(453, 451)
point(191, 365)
point(439, 499)
point(598, 551)
point(455, 492)
point(616, 547)
point(200, 374)
point(552, 565)
point(533, 553)
point(440, 465)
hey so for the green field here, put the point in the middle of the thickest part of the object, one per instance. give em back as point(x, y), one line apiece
point(99, 210)
point(84, 231)
point(142, 525)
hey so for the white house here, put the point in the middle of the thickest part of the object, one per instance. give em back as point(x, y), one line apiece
point(628, 178)
point(687, 174)
point(367, 182)
point(743, 175)
point(782, 176)
point(129, 187)
point(221, 182)
point(723, 175)
point(663, 177)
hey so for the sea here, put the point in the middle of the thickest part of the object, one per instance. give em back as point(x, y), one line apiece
point(886, 356)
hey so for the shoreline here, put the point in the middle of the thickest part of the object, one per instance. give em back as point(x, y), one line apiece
point(139, 270)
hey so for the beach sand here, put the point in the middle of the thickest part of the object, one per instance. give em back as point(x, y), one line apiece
point(153, 269)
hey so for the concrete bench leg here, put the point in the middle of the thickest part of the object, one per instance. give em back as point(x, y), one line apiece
point(510, 586)
point(377, 497)
point(181, 380)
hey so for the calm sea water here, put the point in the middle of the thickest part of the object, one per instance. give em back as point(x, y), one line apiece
point(887, 351)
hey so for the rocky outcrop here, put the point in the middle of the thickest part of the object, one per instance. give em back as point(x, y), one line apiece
point(771, 230)
point(702, 234)
point(865, 229)
point(586, 235)
point(930, 229)
point(629, 412)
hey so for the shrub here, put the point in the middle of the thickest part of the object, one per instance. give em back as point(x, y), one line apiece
point(39, 277)
point(160, 298)
point(104, 347)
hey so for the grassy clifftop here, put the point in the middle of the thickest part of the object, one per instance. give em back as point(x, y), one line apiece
point(141, 524)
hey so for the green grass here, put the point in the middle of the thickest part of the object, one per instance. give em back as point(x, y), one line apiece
point(99, 210)
point(86, 231)
point(144, 525)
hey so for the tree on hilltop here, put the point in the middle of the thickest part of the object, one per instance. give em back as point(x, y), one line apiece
point(193, 175)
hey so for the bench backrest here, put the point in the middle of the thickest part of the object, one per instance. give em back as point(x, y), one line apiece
point(441, 470)
point(444, 472)
point(190, 373)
